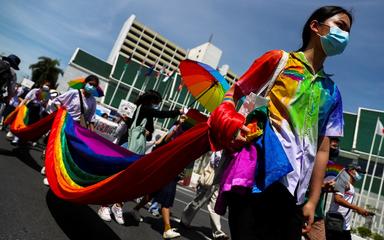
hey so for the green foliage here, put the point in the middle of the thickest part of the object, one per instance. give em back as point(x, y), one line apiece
point(377, 236)
point(46, 69)
point(364, 232)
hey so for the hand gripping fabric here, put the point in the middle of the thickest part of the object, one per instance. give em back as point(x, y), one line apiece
point(223, 124)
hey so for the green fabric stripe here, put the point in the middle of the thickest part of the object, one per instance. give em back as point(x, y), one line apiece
point(77, 175)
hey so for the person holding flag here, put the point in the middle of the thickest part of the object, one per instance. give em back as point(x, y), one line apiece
point(342, 203)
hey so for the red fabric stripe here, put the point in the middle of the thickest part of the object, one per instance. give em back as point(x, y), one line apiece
point(146, 175)
point(35, 130)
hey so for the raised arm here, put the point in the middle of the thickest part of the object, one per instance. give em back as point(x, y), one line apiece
point(225, 122)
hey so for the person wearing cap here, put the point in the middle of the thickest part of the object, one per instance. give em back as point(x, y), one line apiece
point(7, 73)
point(342, 201)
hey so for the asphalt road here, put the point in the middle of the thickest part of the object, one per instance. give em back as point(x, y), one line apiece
point(29, 210)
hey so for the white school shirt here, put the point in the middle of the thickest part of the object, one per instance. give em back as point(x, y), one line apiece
point(346, 212)
point(71, 101)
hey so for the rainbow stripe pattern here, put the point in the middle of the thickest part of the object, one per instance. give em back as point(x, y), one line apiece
point(303, 107)
point(79, 83)
point(333, 169)
point(85, 168)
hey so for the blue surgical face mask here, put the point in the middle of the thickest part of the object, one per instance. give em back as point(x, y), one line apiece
point(335, 41)
point(90, 89)
point(156, 106)
point(357, 177)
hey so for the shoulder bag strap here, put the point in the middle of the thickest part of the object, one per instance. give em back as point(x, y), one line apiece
point(81, 102)
point(267, 87)
point(136, 117)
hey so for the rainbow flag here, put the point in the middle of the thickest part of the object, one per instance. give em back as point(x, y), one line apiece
point(19, 126)
point(85, 168)
point(332, 170)
point(79, 83)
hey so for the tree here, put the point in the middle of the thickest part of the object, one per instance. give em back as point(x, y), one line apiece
point(46, 69)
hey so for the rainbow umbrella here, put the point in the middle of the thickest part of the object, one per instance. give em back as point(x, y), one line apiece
point(206, 84)
point(79, 83)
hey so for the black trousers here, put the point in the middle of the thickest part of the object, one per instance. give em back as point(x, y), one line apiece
point(333, 235)
point(271, 215)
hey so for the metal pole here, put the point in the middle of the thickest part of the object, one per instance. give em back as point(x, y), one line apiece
point(365, 176)
point(380, 191)
point(118, 84)
point(133, 83)
point(374, 171)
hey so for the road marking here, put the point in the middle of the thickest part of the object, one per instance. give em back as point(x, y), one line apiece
point(201, 209)
point(185, 191)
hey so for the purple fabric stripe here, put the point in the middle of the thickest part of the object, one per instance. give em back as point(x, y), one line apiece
point(100, 145)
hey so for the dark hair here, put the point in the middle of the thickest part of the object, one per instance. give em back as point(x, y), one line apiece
point(321, 15)
point(91, 78)
point(336, 139)
point(149, 97)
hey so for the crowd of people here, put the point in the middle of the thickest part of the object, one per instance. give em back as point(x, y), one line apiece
point(272, 188)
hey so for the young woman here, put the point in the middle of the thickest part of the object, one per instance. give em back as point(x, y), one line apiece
point(70, 100)
point(304, 109)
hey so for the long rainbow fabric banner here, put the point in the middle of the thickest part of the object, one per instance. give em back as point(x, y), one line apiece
point(85, 168)
point(18, 119)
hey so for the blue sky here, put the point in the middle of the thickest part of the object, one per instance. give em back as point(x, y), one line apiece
point(243, 29)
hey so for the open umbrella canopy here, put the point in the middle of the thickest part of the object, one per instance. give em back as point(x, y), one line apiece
point(206, 84)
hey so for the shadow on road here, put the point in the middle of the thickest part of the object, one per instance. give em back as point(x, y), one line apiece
point(193, 233)
point(78, 221)
point(196, 233)
point(23, 155)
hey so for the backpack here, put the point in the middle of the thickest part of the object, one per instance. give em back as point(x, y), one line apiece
point(5, 73)
point(136, 135)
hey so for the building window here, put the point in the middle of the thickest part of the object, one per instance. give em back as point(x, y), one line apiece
point(135, 34)
point(149, 34)
point(135, 25)
point(160, 41)
point(171, 47)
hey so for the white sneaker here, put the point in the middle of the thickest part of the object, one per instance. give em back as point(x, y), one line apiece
point(171, 233)
point(15, 141)
point(118, 214)
point(155, 212)
point(9, 135)
point(45, 181)
point(42, 171)
point(104, 213)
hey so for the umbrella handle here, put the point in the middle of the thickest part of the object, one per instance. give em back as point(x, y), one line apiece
point(202, 94)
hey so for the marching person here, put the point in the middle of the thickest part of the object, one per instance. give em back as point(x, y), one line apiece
point(304, 110)
point(206, 194)
point(79, 103)
point(149, 103)
point(8, 65)
point(342, 203)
